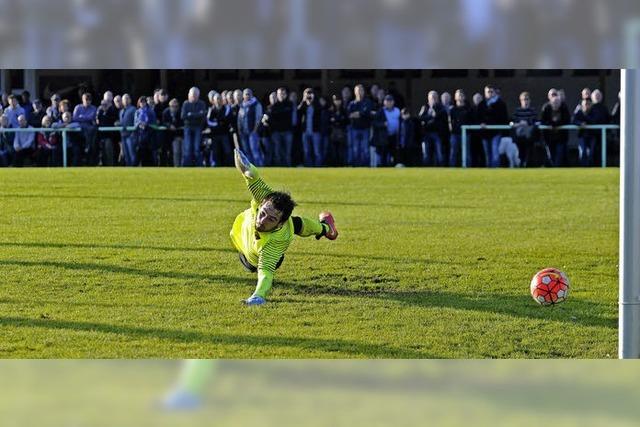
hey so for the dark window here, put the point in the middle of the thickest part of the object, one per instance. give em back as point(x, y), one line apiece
point(544, 73)
point(504, 73)
point(449, 73)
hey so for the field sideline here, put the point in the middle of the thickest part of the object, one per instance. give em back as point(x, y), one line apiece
point(430, 263)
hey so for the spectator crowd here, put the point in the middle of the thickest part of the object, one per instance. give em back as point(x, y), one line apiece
point(356, 127)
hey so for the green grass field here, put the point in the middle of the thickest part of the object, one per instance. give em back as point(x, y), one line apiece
point(430, 263)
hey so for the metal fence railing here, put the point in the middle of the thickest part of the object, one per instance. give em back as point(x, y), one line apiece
point(465, 129)
point(603, 135)
point(65, 130)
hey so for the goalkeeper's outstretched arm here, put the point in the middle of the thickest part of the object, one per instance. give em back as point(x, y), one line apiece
point(258, 188)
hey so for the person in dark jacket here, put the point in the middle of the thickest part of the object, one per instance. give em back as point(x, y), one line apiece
point(600, 115)
point(6, 142)
point(37, 113)
point(586, 137)
point(406, 151)
point(555, 114)
point(280, 119)
point(106, 116)
point(460, 114)
point(172, 120)
point(193, 114)
point(433, 119)
point(492, 111)
point(338, 120)
point(359, 111)
point(523, 125)
point(310, 117)
point(218, 118)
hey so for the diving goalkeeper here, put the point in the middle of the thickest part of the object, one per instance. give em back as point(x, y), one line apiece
point(262, 233)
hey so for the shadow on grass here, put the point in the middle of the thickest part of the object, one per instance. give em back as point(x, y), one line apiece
point(575, 311)
point(69, 245)
point(336, 346)
point(46, 245)
point(110, 268)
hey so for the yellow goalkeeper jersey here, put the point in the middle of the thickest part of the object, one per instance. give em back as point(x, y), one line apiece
point(262, 250)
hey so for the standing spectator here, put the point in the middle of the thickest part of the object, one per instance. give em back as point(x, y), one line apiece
point(280, 118)
point(555, 114)
point(586, 137)
point(264, 133)
point(4, 100)
point(161, 102)
point(599, 116)
point(523, 124)
point(461, 114)
point(445, 100)
point(117, 102)
point(85, 115)
point(6, 142)
point(160, 140)
point(65, 106)
point(172, 120)
point(143, 119)
point(475, 138)
point(37, 113)
point(359, 111)
point(296, 150)
point(74, 139)
point(433, 119)
point(107, 116)
point(492, 111)
point(406, 149)
point(325, 127)
point(584, 94)
point(48, 144)
point(390, 115)
point(128, 137)
point(310, 116)
point(218, 119)
point(23, 142)
point(234, 100)
point(373, 90)
point(249, 114)
point(53, 110)
point(338, 137)
point(194, 118)
point(13, 111)
point(347, 95)
point(26, 104)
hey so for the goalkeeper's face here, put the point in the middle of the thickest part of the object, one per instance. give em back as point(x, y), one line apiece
point(268, 218)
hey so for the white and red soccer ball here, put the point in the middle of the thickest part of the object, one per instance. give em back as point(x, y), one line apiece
point(550, 286)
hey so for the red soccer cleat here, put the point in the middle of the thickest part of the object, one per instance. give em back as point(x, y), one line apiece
point(327, 218)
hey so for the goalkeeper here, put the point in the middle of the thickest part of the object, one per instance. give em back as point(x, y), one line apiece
point(262, 233)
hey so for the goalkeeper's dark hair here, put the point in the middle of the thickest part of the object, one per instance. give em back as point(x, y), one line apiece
point(283, 202)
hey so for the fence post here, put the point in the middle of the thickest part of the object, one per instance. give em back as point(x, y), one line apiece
point(604, 146)
point(464, 146)
point(64, 148)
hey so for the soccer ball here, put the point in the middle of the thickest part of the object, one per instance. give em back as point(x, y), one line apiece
point(550, 286)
